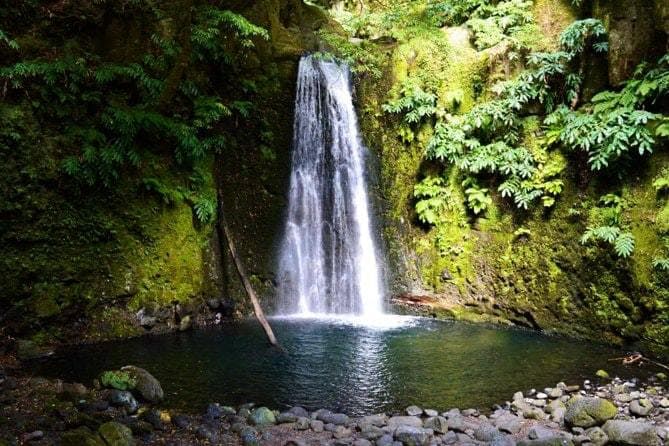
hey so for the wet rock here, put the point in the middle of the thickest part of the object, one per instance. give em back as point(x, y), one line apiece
point(262, 416)
point(413, 436)
point(632, 433)
point(437, 424)
point(249, 437)
point(413, 411)
point(328, 417)
point(286, 417)
point(145, 383)
point(181, 421)
point(597, 436)
point(588, 412)
point(509, 423)
point(374, 420)
point(186, 323)
point(302, 423)
point(395, 422)
point(641, 407)
point(123, 398)
point(298, 411)
point(552, 441)
point(153, 418)
point(116, 434)
point(205, 433)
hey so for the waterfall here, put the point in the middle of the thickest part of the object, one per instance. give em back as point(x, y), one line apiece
point(328, 259)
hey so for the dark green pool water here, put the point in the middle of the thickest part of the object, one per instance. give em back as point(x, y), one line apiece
point(345, 366)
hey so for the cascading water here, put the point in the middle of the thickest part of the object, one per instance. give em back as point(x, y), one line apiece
point(328, 261)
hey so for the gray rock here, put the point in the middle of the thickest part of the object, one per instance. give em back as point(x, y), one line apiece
point(181, 421)
point(632, 433)
point(413, 411)
point(374, 420)
point(249, 437)
point(385, 440)
point(509, 423)
point(205, 433)
point(213, 411)
point(123, 398)
point(430, 413)
point(303, 423)
point(145, 383)
point(362, 442)
point(588, 412)
point(413, 436)
point(449, 437)
point(298, 411)
point(317, 425)
point(371, 432)
point(558, 415)
point(540, 432)
point(460, 424)
point(641, 407)
point(597, 436)
point(338, 419)
point(395, 422)
point(286, 417)
point(262, 416)
point(341, 432)
point(437, 424)
point(552, 441)
point(518, 396)
point(550, 407)
point(487, 433)
point(244, 412)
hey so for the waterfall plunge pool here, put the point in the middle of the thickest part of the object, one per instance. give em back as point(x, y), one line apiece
point(345, 365)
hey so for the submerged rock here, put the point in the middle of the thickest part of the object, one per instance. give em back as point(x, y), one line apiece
point(588, 412)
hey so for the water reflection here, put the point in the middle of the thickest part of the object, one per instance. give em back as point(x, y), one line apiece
point(343, 365)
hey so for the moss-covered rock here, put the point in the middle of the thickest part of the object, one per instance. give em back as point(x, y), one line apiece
point(587, 412)
point(116, 434)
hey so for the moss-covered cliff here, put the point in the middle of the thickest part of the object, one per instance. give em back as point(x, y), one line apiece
point(508, 264)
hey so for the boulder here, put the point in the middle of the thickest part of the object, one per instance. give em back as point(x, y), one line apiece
point(437, 424)
point(413, 436)
point(588, 412)
point(641, 407)
point(395, 422)
point(597, 436)
point(338, 419)
point(116, 434)
point(145, 383)
point(81, 436)
point(123, 398)
point(286, 417)
point(262, 416)
point(413, 411)
point(637, 433)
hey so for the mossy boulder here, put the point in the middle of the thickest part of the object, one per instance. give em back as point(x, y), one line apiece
point(116, 434)
point(588, 412)
point(145, 383)
point(262, 416)
point(81, 436)
point(117, 379)
point(632, 433)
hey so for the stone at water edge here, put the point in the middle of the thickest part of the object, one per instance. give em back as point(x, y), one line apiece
point(123, 398)
point(413, 436)
point(286, 417)
point(413, 411)
point(632, 433)
point(317, 425)
point(116, 434)
point(145, 383)
point(553, 441)
point(602, 374)
point(641, 407)
point(338, 419)
point(588, 411)
point(262, 416)
point(438, 424)
point(395, 422)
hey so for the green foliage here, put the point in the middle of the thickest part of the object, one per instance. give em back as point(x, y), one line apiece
point(487, 139)
point(661, 183)
point(117, 379)
point(360, 58)
point(607, 219)
point(478, 198)
point(661, 264)
point(112, 114)
point(433, 198)
point(617, 124)
point(414, 103)
point(4, 38)
point(205, 209)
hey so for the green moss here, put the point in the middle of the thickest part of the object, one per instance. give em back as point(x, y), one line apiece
point(117, 379)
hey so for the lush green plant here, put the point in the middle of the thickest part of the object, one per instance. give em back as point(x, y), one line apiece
point(606, 227)
point(114, 116)
point(414, 104)
point(478, 198)
point(433, 196)
point(361, 59)
point(4, 38)
point(617, 124)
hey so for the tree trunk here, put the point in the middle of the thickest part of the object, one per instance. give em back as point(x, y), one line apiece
point(257, 309)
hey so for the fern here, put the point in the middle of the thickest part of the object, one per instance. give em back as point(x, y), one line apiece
point(433, 198)
point(414, 103)
point(205, 209)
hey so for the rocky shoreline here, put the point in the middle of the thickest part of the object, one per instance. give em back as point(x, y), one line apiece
point(123, 407)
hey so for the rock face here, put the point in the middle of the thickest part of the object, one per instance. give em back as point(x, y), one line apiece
point(145, 383)
point(588, 412)
point(632, 433)
point(635, 34)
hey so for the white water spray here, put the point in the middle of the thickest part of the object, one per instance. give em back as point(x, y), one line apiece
point(328, 261)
